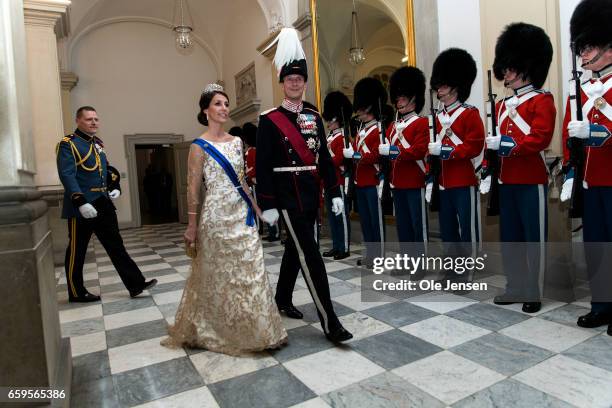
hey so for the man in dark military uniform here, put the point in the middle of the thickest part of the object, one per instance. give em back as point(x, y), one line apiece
point(89, 185)
point(292, 157)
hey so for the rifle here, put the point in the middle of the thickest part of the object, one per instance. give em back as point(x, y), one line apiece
point(386, 201)
point(349, 178)
point(433, 161)
point(575, 145)
point(491, 169)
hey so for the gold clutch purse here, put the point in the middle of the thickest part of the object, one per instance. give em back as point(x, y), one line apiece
point(191, 251)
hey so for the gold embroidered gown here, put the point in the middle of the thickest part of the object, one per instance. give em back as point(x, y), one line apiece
point(227, 304)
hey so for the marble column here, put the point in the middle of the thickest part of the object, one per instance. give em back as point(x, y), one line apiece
point(46, 21)
point(33, 351)
point(68, 80)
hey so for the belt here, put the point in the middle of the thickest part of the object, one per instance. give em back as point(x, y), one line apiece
point(97, 189)
point(299, 168)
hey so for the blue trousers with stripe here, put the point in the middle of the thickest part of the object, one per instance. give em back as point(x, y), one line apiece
point(523, 219)
point(339, 225)
point(371, 220)
point(410, 214)
point(459, 214)
point(597, 227)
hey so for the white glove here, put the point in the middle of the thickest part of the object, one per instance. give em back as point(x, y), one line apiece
point(337, 205)
point(379, 189)
point(270, 216)
point(348, 152)
point(88, 211)
point(383, 149)
point(435, 148)
point(114, 194)
point(566, 190)
point(428, 191)
point(580, 129)
point(493, 142)
point(485, 185)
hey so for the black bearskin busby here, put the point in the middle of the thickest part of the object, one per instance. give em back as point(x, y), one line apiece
point(249, 134)
point(338, 107)
point(526, 49)
point(456, 68)
point(369, 94)
point(591, 24)
point(408, 82)
point(235, 131)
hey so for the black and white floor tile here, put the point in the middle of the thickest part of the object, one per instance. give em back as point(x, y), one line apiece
point(460, 351)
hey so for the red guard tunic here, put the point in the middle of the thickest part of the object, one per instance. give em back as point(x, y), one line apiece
point(597, 109)
point(463, 138)
point(366, 144)
point(529, 119)
point(411, 136)
point(250, 166)
point(335, 145)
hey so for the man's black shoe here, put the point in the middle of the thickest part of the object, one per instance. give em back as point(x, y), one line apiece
point(341, 255)
point(366, 263)
point(290, 311)
point(594, 319)
point(330, 253)
point(339, 335)
point(86, 298)
point(273, 238)
point(504, 300)
point(147, 285)
point(532, 307)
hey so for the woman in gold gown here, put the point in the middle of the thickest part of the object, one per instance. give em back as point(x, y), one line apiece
point(227, 304)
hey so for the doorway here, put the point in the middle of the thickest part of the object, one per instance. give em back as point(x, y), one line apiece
point(156, 176)
point(158, 153)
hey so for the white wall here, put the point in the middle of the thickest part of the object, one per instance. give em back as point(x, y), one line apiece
point(138, 82)
point(241, 39)
point(459, 26)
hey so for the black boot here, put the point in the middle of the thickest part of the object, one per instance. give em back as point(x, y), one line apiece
point(330, 253)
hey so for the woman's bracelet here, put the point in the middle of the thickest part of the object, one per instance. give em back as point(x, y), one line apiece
point(192, 213)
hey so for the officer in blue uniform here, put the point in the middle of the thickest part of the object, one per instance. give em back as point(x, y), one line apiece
point(89, 185)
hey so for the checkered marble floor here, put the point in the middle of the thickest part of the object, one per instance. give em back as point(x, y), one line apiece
point(456, 351)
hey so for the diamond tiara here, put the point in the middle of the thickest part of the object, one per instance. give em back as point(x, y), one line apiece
point(213, 88)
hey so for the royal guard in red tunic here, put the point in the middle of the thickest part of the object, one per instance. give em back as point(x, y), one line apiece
point(369, 97)
point(408, 139)
point(337, 112)
point(459, 144)
point(526, 122)
point(591, 37)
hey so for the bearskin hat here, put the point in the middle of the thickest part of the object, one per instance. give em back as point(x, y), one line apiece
point(249, 134)
point(456, 68)
point(235, 131)
point(337, 106)
point(369, 93)
point(408, 82)
point(526, 49)
point(591, 25)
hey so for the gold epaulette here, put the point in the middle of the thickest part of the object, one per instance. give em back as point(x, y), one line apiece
point(266, 112)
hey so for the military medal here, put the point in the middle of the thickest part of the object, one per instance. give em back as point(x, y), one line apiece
point(513, 113)
point(599, 103)
point(449, 132)
point(312, 143)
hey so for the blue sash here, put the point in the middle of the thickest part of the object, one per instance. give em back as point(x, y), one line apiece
point(229, 170)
